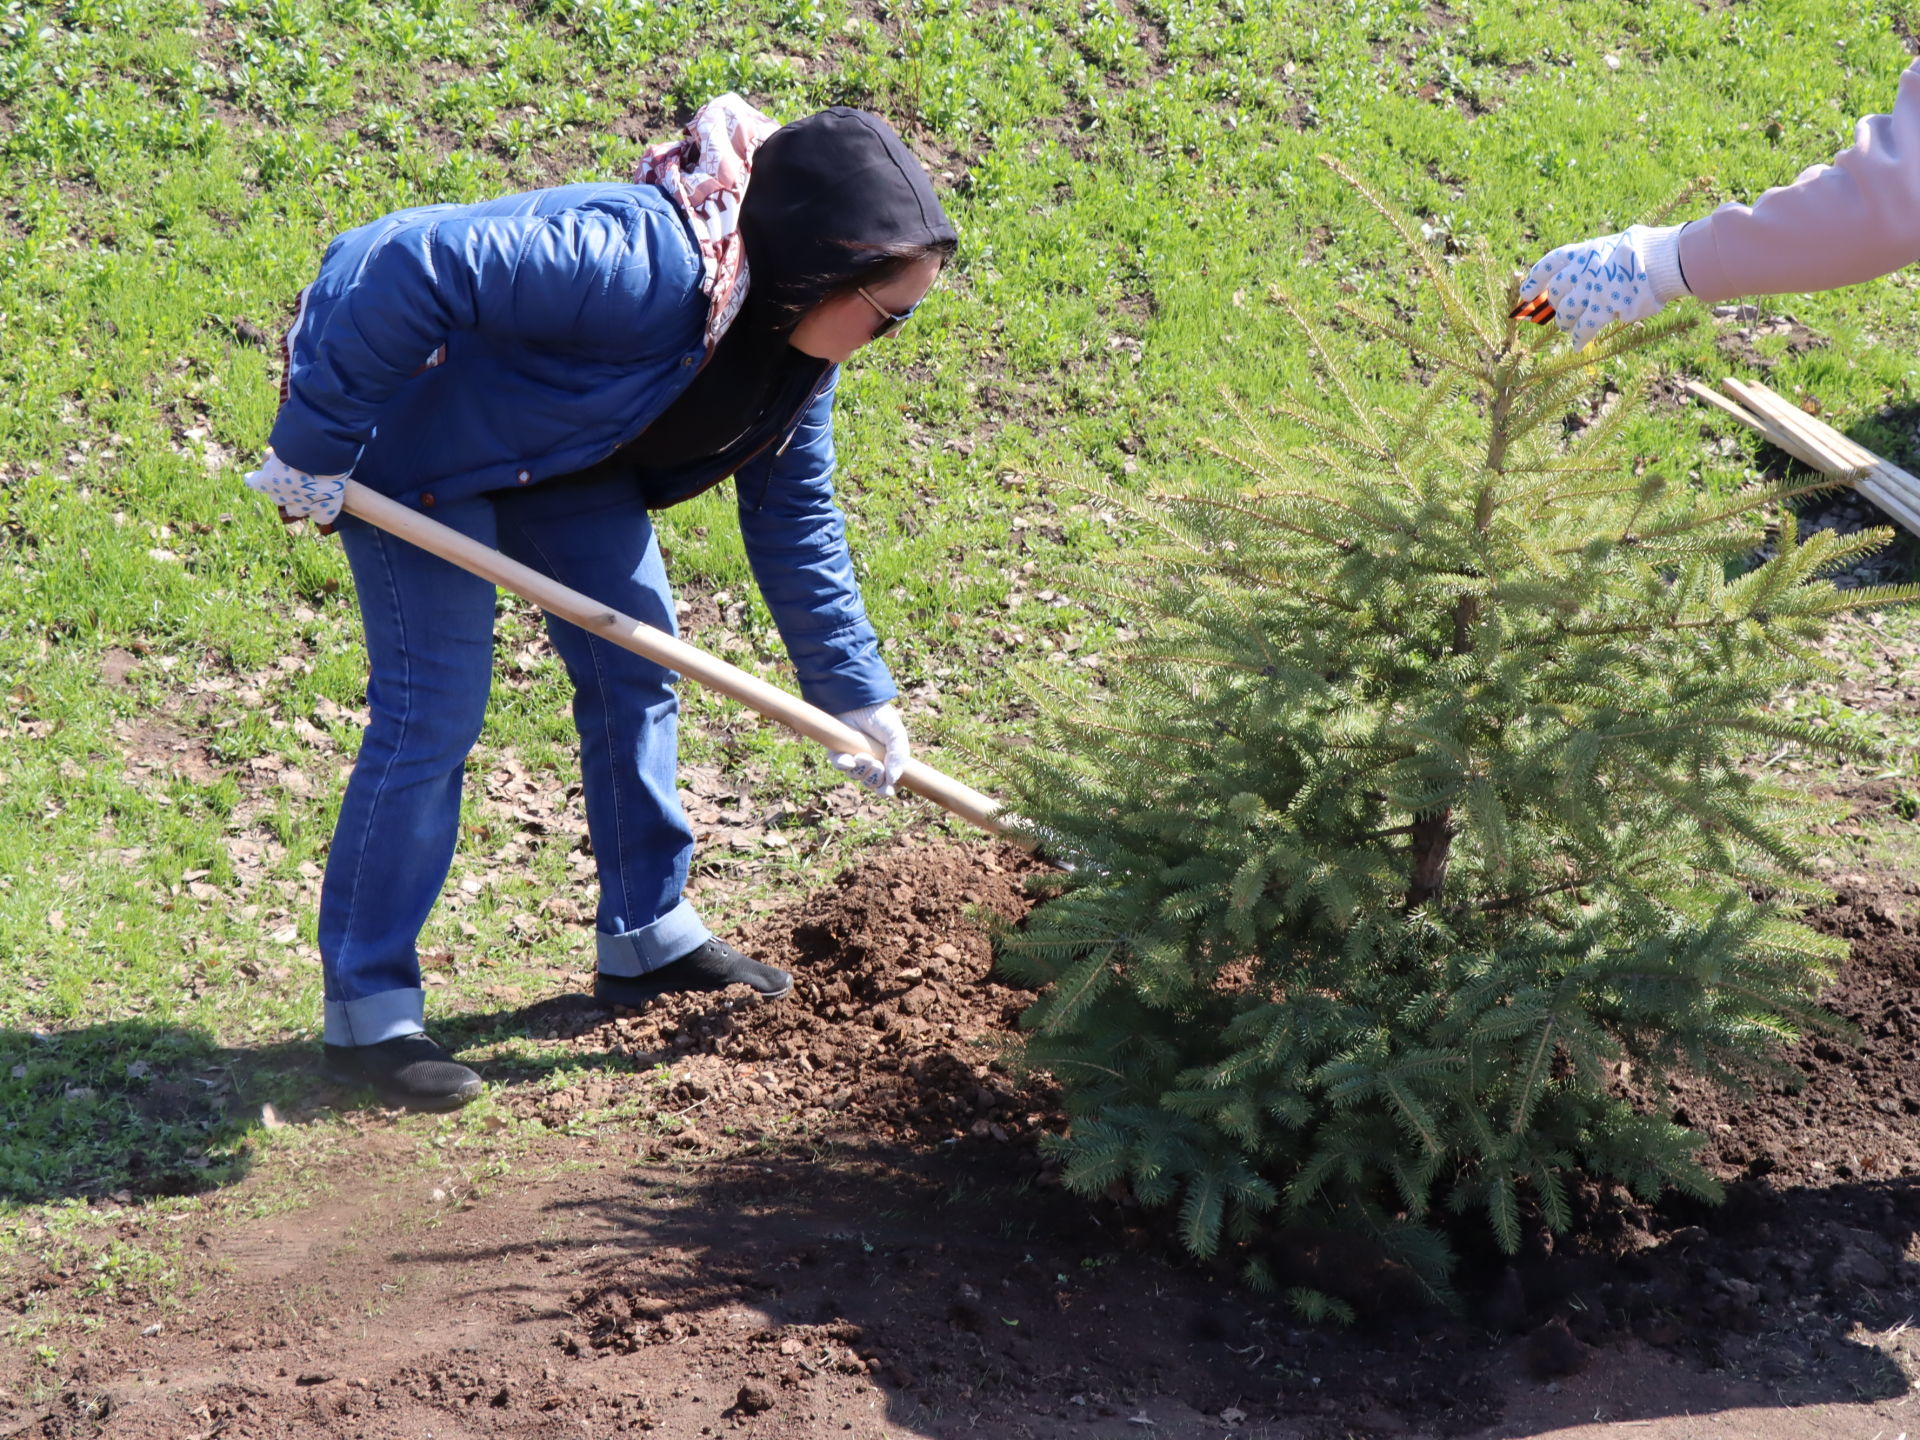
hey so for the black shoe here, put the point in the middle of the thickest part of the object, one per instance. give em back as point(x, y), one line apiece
point(714, 966)
point(412, 1071)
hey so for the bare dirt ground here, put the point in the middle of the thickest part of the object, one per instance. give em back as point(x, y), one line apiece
point(852, 1233)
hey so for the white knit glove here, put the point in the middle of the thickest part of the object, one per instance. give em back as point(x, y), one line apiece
point(881, 724)
point(318, 497)
point(1588, 286)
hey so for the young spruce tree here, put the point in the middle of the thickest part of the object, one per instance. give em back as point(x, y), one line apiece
point(1419, 805)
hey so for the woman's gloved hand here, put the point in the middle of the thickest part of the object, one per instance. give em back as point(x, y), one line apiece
point(1587, 286)
point(317, 497)
point(881, 724)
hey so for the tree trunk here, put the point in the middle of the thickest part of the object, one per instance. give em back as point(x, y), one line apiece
point(1433, 832)
point(1432, 838)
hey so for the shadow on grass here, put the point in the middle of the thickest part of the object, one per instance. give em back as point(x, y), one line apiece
point(127, 1109)
point(1892, 434)
point(132, 1109)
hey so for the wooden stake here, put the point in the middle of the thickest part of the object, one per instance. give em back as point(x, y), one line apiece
point(1817, 444)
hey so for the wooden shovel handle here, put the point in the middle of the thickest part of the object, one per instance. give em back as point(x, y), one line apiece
point(664, 649)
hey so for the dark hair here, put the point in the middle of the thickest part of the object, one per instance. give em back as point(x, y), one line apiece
point(877, 265)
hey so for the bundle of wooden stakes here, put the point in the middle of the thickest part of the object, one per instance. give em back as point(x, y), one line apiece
point(1814, 442)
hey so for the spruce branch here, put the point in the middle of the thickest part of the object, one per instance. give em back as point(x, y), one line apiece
point(1611, 345)
point(1327, 426)
point(1213, 502)
point(1556, 468)
point(1319, 498)
point(1135, 509)
point(1466, 365)
point(1330, 368)
point(1597, 492)
point(1684, 196)
point(1512, 902)
point(1418, 428)
point(1760, 500)
point(1461, 316)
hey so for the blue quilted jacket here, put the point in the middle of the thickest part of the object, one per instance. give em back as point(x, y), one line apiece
point(449, 350)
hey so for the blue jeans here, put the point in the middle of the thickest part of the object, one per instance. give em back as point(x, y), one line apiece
point(429, 630)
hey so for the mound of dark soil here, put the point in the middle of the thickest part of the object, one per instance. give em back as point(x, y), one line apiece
point(1822, 1210)
point(1854, 1118)
point(895, 1028)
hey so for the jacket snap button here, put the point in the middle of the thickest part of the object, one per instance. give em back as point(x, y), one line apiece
point(524, 477)
point(426, 499)
point(686, 362)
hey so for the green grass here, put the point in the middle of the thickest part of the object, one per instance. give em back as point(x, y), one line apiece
point(1130, 179)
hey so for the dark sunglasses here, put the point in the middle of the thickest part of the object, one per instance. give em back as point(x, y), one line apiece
point(889, 322)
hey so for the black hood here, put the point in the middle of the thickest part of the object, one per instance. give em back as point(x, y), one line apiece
point(824, 191)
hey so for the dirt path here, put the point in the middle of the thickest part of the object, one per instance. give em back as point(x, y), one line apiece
point(796, 1300)
point(853, 1235)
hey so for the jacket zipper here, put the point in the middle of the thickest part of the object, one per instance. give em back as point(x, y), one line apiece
point(793, 429)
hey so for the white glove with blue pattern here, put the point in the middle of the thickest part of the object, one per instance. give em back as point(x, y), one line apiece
point(1585, 287)
point(318, 497)
point(881, 724)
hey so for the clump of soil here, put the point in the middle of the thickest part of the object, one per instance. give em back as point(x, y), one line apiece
point(1768, 1284)
point(896, 1028)
point(1817, 1233)
point(1854, 1117)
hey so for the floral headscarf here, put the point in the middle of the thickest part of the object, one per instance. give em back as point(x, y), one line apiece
point(706, 173)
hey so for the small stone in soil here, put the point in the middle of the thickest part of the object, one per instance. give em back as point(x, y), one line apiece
point(754, 1398)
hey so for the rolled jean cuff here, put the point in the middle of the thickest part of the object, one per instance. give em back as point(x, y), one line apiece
point(677, 933)
point(373, 1018)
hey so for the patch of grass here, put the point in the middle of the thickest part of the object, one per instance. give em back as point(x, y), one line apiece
point(179, 675)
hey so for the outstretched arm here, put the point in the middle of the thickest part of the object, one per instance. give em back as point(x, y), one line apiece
point(1835, 225)
point(796, 541)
